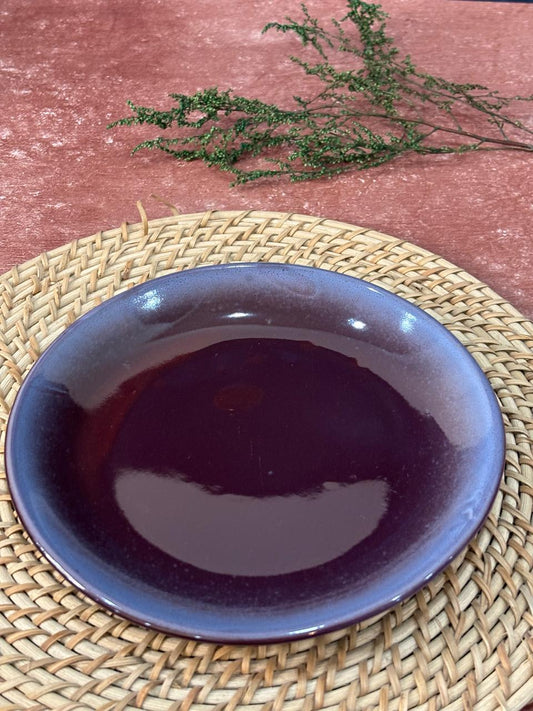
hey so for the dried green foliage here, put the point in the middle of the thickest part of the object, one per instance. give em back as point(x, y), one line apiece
point(367, 110)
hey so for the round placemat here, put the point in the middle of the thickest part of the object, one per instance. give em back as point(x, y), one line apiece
point(463, 642)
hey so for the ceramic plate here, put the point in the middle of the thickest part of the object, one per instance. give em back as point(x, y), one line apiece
point(253, 452)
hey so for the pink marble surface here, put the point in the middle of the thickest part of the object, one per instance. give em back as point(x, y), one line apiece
point(68, 68)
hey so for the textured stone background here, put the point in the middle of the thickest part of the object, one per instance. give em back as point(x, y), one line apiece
point(67, 69)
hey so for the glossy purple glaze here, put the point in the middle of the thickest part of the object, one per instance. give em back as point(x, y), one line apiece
point(253, 452)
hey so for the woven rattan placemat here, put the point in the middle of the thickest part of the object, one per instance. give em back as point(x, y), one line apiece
point(463, 642)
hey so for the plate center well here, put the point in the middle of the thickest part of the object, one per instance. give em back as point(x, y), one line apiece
point(251, 457)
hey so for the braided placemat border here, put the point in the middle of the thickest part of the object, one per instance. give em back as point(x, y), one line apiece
point(463, 642)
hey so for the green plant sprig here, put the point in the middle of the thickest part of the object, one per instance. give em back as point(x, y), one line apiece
point(361, 117)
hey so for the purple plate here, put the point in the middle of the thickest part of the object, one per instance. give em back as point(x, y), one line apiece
point(253, 452)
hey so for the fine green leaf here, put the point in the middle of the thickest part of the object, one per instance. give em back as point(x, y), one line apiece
point(366, 111)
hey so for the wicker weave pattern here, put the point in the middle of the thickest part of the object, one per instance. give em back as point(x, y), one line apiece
point(463, 642)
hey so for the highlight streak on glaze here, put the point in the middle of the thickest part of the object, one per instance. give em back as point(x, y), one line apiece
point(242, 535)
